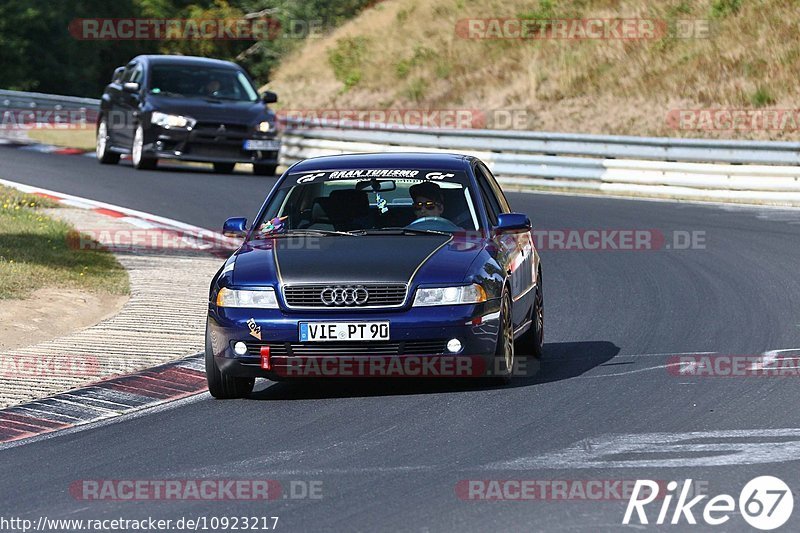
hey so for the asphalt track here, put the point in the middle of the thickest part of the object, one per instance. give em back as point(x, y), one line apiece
point(391, 454)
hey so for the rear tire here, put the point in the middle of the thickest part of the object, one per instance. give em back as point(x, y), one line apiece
point(102, 145)
point(264, 170)
point(532, 342)
point(221, 386)
point(224, 168)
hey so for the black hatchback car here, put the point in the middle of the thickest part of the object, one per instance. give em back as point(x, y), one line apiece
point(187, 108)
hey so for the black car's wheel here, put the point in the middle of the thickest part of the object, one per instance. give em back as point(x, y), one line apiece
point(532, 342)
point(138, 158)
point(102, 145)
point(221, 386)
point(224, 168)
point(504, 352)
point(264, 170)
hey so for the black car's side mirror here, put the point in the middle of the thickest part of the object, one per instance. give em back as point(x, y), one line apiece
point(235, 227)
point(513, 222)
point(269, 97)
point(130, 87)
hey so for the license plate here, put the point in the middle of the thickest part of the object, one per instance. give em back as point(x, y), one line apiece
point(343, 331)
point(258, 144)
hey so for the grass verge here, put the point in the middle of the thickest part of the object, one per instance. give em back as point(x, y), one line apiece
point(35, 252)
point(68, 138)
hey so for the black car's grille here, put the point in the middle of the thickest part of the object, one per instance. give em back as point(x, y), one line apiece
point(366, 348)
point(220, 127)
point(379, 295)
point(220, 134)
point(210, 150)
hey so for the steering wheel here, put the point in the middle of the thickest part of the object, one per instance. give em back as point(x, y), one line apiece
point(433, 223)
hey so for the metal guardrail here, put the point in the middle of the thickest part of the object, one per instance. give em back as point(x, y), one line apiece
point(563, 144)
point(25, 100)
point(507, 142)
point(689, 167)
point(648, 166)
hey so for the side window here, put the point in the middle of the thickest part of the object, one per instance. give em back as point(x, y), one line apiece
point(129, 72)
point(489, 200)
point(498, 192)
point(137, 74)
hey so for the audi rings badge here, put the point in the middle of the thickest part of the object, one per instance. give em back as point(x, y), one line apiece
point(344, 295)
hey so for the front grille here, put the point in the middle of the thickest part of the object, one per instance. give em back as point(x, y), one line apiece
point(366, 348)
point(380, 295)
point(209, 150)
point(210, 133)
point(213, 127)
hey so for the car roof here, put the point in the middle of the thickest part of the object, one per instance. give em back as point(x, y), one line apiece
point(157, 59)
point(386, 160)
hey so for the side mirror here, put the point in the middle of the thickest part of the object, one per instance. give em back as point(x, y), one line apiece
point(513, 222)
point(269, 97)
point(235, 227)
point(117, 74)
point(130, 87)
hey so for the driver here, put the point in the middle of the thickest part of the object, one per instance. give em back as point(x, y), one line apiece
point(428, 199)
point(212, 87)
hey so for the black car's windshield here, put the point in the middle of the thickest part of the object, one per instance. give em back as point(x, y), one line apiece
point(189, 81)
point(368, 202)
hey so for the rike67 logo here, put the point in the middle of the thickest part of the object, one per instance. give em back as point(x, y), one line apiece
point(765, 503)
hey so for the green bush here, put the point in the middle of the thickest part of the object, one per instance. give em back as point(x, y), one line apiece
point(762, 97)
point(723, 8)
point(347, 59)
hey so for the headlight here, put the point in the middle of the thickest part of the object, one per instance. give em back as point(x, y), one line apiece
point(259, 299)
point(171, 121)
point(466, 294)
point(264, 127)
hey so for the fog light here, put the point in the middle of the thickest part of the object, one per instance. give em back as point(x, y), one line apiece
point(240, 348)
point(454, 346)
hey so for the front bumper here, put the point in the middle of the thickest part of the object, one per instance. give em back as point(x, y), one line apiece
point(210, 146)
point(418, 340)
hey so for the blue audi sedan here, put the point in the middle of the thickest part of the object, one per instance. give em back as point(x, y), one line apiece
point(386, 265)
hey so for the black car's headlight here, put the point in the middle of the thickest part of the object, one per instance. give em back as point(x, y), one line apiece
point(264, 127)
point(171, 121)
point(253, 299)
point(463, 294)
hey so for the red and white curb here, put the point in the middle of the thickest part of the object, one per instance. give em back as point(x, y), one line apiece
point(206, 238)
point(117, 395)
point(28, 146)
point(104, 400)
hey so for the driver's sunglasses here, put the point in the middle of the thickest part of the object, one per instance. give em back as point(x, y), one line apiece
point(425, 205)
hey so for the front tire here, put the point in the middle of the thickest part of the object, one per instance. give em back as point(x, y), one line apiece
point(504, 352)
point(138, 158)
point(221, 386)
point(102, 144)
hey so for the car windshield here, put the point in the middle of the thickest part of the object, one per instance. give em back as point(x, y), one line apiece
point(190, 81)
point(368, 201)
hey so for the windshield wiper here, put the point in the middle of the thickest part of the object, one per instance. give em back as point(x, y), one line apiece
point(297, 232)
point(304, 231)
point(411, 231)
point(230, 99)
